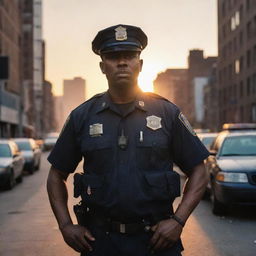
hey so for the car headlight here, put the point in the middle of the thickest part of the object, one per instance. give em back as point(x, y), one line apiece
point(236, 177)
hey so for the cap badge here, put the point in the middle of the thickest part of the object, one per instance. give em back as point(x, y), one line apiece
point(121, 33)
point(154, 122)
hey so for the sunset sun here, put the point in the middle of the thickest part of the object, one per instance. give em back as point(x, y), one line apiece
point(147, 76)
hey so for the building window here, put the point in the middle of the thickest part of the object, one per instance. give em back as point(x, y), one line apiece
point(224, 52)
point(254, 113)
point(235, 21)
point(241, 114)
point(225, 74)
point(223, 8)
point(237, 18)
point(230, 48)
point(249, 29)
point(234, 44)
point(224, 31)
point(254, 25)
point(229, 71)
point(248, 5)
point(220, 76)
point(241, 11)
point(248, 85)
point(235, 91)
point(241, 64)
point(248, 58)
point(254, 83)
point(241, 38)
point(241, 89)
point(237, 66)
point(232, 23)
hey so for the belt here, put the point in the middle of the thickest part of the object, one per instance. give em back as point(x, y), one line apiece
point(110, 225)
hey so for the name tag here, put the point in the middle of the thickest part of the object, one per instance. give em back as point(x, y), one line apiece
point(96, 130)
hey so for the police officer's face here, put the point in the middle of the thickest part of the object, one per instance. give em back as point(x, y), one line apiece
point(121, 68)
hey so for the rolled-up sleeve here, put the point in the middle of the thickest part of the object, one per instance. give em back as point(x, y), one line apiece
point(66, 153)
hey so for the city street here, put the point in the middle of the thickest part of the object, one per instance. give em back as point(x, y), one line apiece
point(28, 227)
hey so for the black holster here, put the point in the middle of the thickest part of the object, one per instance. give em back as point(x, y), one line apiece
point(80, 212)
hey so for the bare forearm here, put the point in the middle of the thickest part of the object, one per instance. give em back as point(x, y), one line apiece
point(193, 192)
point(58, 196)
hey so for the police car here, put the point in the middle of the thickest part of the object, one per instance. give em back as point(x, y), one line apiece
point(232, 167)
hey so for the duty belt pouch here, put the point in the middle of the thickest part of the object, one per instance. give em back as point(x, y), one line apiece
point(78, 184)
point(174, 184)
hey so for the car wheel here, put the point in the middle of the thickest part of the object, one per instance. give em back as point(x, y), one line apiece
point(19, 179)
point(31, 169)
point(11, 182)
point(218, 208)
point(38, 165)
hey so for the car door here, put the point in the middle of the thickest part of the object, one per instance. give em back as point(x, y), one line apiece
point(36, 151)
point(15, 160)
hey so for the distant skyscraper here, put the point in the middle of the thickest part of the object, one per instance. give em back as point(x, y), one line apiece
point(73, 94)
point(172, 84)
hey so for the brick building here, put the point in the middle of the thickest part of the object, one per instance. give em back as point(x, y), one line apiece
point(10, 87)
point(236, 70)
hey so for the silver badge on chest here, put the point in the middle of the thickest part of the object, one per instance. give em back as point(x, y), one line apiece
point(96, 130)
point(154, 122)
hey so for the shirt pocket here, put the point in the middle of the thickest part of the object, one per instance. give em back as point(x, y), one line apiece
point(162, 185)
point(98, 154)
point(152, 153)
point(93, 189)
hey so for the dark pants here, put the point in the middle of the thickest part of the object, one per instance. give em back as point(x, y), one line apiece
point(117, 244)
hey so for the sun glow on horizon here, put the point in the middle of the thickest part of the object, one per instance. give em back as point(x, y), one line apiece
point(147, 76)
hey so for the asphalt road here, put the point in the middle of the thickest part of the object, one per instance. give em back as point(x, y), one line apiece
point(28, 227)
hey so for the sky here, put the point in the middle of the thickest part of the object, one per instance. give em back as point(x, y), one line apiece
point(173, 28)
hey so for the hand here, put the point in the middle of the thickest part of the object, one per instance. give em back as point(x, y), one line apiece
point(77, 237)
point(166, 233)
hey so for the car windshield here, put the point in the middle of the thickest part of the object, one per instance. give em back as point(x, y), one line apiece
point(4, 150)
point(239, 146)
point(52, 138)
point(207, 141)
point(23, 145)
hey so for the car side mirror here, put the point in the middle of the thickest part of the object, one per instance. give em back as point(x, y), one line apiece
point(213, 152)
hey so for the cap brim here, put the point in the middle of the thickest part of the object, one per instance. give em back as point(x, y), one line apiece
point(121, 49)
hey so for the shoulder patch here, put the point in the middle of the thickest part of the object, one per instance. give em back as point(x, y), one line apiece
point(186, 123)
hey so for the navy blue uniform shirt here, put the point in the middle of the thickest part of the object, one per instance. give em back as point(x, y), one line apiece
point(129, 154)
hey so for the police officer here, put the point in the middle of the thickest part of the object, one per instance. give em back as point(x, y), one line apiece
point(129, 141)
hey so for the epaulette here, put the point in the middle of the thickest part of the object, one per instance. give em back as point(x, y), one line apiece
point(98, 95)
point(157, 96)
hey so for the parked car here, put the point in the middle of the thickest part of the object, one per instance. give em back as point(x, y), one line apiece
point(207, 138)
point(31, 152)
point(232, 168)
point(50, 140)
point(11, 164)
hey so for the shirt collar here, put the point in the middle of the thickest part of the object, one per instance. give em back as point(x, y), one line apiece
point(106, 103)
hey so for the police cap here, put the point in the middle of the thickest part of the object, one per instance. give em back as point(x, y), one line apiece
point(119, 38)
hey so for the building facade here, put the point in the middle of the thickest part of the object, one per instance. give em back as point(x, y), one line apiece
point(171, 84)
point(33, 62)
point(236, 70)
point(185, 87)
point(73, 94)
point(11, 86)
point(199, 70)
